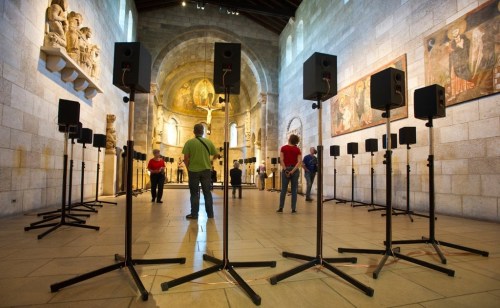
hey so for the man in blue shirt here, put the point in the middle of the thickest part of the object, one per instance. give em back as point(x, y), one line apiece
point(310, 165)
point(197, 152)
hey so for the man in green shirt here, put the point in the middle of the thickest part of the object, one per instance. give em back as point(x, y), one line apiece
point(197, 152)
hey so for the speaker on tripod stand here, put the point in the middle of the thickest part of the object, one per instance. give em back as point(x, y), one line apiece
point(387, 92)
point(430, 104)
point(274, 161)
point(68, 119)
point(371, 146)
point(335, 152)
point(352, 149)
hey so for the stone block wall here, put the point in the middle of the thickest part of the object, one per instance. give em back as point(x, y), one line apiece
point(365, 35)
point(31, 148)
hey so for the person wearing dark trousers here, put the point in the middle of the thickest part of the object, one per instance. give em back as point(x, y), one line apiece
point(262, 175)
point(310, 166)
point(180, 170)
point(235, 175)
point(197, 152)
point(156, 167)
point(290, 161)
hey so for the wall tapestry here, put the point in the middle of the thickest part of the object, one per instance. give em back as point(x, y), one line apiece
point(464, 56)
point(351, 107)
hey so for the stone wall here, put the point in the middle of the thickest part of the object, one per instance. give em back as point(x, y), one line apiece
point(366, 35)
point(31, 148)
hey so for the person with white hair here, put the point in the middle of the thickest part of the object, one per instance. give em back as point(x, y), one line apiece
point(262, 175)
point(235, 175)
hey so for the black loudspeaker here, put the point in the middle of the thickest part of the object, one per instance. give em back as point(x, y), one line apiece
point(352, 148)
point(245, 160)
point(136, 155)
point(254, 159)
point(320, 77)
point(171, 159)
point(387, 88)
point(132, 67)
point(75, 132)
point(408, 135)
point(68, 113)
point(240, 161)
point(335, 150)
point(429, 102)
point(86, 137)
point(143, 157)
point(394, 141)
point(371, 145)
point(220, 162)
point(227, 67)
point(166, 158)
point(274, 161)
point(99, 141)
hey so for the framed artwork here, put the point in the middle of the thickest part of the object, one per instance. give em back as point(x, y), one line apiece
point(464, 56)
point(351, 107)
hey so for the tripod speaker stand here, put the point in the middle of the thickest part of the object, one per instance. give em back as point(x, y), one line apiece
point(123, 51)
point(371, 145)
point(335, 152)
point(352, 149)
point(99, 142)
point(407, 136)
point(274, 161)
point(326, 67)
point(390, 81)
point(67, 110)
point(430, 104)
point(230, 56)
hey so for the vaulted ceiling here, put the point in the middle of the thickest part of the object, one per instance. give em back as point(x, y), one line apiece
point(271, 14)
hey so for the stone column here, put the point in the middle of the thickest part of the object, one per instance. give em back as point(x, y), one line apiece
point(109, 167)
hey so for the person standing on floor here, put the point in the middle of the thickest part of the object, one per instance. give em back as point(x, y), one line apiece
point(262, 175)
point(180, 170)
point(310, 166)
point(156, 167)
point(235, 175)
point(290, 161)
point(197, 152)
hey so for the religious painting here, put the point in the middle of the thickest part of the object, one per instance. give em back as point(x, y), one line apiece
point(197, 96)
point(464, 56)
point(351, 107)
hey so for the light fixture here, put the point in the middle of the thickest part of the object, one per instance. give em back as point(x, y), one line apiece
point(200, 5)
point(183, 3)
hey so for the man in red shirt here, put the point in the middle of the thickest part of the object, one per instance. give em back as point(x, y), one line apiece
point(156, 167)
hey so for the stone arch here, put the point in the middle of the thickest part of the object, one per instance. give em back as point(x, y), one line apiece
point(294, 126)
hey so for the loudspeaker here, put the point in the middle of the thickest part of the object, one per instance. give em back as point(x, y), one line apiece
point(394, 141)
point(335, 150)
point(143, 156)
point(408, 135)
point(220, 162)
point(136, 155)
point(429, 102)
point(86, 137)
point(254, 159)
point(352, 148)
point(227, 67)
point(274, 161)
point(99, 141)
point(171, 159)
point(317, 70)
point(240, 161)
point(371, 145)
point(75, 132)
point(68, 113)
point(132, 67)
point(245, 160)
point(387, 88)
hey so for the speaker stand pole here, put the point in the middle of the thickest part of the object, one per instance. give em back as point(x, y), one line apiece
point(224, 264)
point(63, 215)
point(389, 251)
point(372, 172)
point(319, 259)
point(126, 260)
point(432, 221)
point(274, 178)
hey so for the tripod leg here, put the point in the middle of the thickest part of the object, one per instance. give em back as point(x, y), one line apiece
point(254, 296)
point(42, 235)
point(447, 271)
point(159, 261)
point(169, 284)
point(366, 289)
point(341, 260)
point(380, 266)
point(297, 256)
point(439, 252)
point(57, 286)
point(81, 226)
point(40, 226)
point(476, 251)
point(138, 282)
point(274, 279)
point(254, 264)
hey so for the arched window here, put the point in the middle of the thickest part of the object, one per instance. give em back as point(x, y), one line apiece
point(288, 58)
point(172, 132)
point(233, 135)
point(300, 36)
point(130, 26)
point(121, 15)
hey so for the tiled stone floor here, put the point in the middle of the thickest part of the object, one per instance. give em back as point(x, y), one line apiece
point(256, 233)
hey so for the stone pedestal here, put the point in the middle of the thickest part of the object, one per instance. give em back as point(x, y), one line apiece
point(109, 175)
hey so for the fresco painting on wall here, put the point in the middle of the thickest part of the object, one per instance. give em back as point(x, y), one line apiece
point(195, 96)
point(351, 107)
point(464, 56)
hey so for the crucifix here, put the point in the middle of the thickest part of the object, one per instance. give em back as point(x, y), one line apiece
point(209, 110)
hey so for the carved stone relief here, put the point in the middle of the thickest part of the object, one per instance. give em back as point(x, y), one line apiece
point(110, 134)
